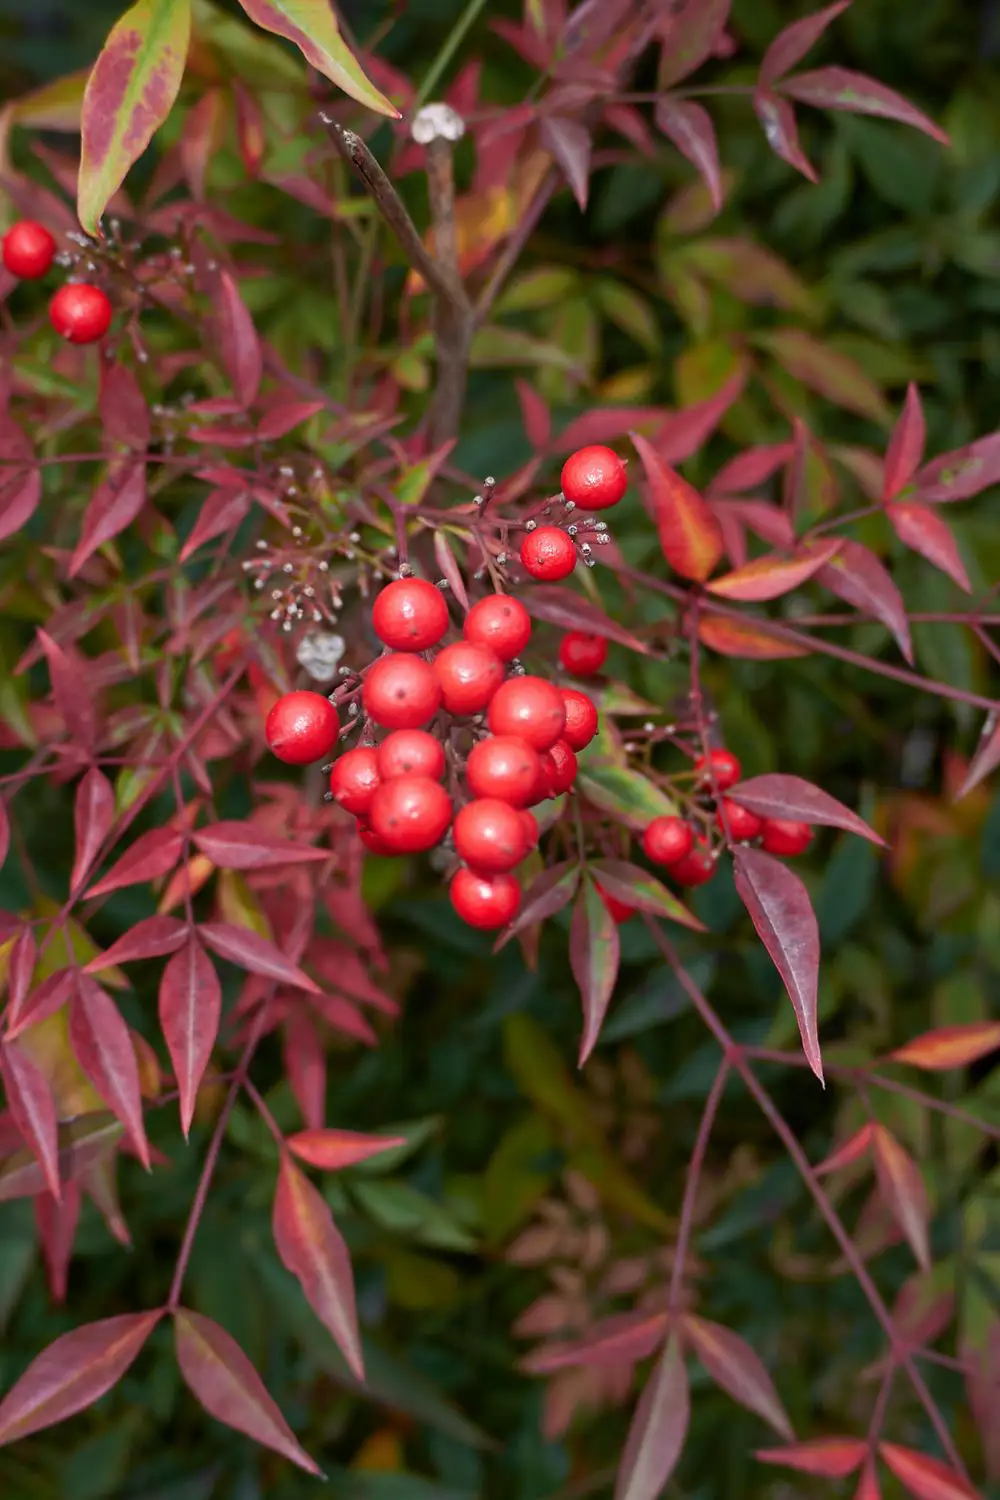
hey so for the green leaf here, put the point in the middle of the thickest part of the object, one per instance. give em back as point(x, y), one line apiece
point(634, 885)
point(311, 25)
point(517, 1175)
point(625, 794)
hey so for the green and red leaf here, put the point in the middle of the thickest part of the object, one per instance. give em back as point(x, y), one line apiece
point(311, 25)
point(690, 535)
point(593, 957)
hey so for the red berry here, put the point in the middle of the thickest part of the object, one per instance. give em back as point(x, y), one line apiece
point(667, 839)
point(529, 707)
point(485, 901)
point(545, 784)
point(582, 654)
point(410, 615)
point(581, 718)
point(503, 766)
point(548, 553)
point(372, 842)
point(499, 623)
point(620, 910)
point(783, 836)
point(594, 478)
point(410, 752)
point(724, 764)
point(301, 727)
point(401, 691)
point(80, 313)
point(743, 824)
point(696, 868)
point(563, 772)
point(467, 676)
point(28, 250)
point(354, 779)
point(490, 835)
point(410, 813)
point(530, 825)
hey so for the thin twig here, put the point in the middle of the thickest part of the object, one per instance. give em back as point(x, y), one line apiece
point(695, 1166)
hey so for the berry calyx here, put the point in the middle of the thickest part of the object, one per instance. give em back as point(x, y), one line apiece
point(410, 814)
point(696, 868)
point(620, 911)
point(301, 727)
point(467, 677)
point(725, 768)
point(529, 707)
point(485, 901)
point(490, 835)
point(548, 554)
point(561, 767)
point(582, 654)
point(500, 624)
point(80, 313)
point(410, 614)
point(355, 779)
point(667, 840)
point(743, 824)
point(594, 478)
point(28, 250)
point(503, 766)
point(410, 752)
point(581, 718)
point(401, 691)
point(784, 836)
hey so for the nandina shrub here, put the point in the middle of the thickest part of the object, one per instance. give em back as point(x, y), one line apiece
point(213, 507)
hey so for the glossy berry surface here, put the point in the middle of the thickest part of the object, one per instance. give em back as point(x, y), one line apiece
point(401, 691)
point(467, 676)
point(594, 478)
point(503, 766)
point(485, 901)
point(28, 250)
point(410, 614)
point(562, 762)
point(410, 813)
point(79, 313)
point(666, 840)
point(301, 728)
point(372, 842)
point(410, 752)
point(724, 766)
point(489, 835)
point(548, 554)
point(620, 911)
point(581, 718)
point(743, 824)
point(582, 654)
point(500, 624)
point(783, 836)
point(529, 707)
point(355, 779)
point(545, 786)
point(531, 830)
point(696, 868)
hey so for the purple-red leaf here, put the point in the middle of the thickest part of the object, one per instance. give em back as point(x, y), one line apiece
point(986, 758)
point(962, 473)
point(122, 406)
point(20, 968)
point(903, 1192)
point(256, 954)
point(690, 536)
point(771, 577)
point(332, 1150)
point(553, 889)
point(659, 1427)
point(30, 1102)
point(683, 432)
point(924, 531)
point(689, 126)
point(224, 509)
point(153, 854)
point(190, 1005)
point(51, 995)
point(70, 690)
point(312, 1248)
point(83, 1144)
point(284, 417)
point(20, 486)
point(692, 35)
point(906, 446)
point(449, 568)
point(637, 888)
point(4, 833)
point(115, 504)
point(734, 1366)
point(621, 1339)
point(245, 846)
point(926, 1478)
point(536, 419)
point(949, 1046)
point(569, 611)
point(792, 44)
point(781, 912)
point(571, 145)
point(776, 795)
point(593, 958)
point(781, 131)
point(842, 88)
point(852, 1150)
point(93, 815)
point(857, 576)
point(833, 1458)
point(150, 938)
point(103, 1046)
point(750, 469)
point(239, 344)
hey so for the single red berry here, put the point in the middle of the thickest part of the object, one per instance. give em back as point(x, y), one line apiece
point(743, 824)
point(594, 478)
point(529, 707)
point(28, 250)
point(80, 313)
point(372, 842)
point(410, 813)
point(545, 783)
point(581, 718)
point(503, 766)
point(696, 868)
point(620, 910)
point(354, 779)
point(531, 830)
point(725, 766)
point(563, 771)
point(582, 654)
point(499, 623)
point(301, 727)
point(401, 691)
point(485, 901)
point(410, 614)
point(783, 836)
point(410, 752)
point(489, 835)
point(467, 676)
point(667, 839)
point(548, 553)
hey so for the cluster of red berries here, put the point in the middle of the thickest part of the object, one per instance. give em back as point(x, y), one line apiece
point(593, 478)
point(79, 312)
point(524, 754)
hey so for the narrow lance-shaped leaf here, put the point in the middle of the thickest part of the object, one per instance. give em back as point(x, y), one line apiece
point(833, 375)
point(903, 1192)
point(792, 44)
point(312, 26)
point(987, 757)
point(853, 1149)
point(746, 640)
point(950, 1047)
point(241, 351)
point(51, 995)
point(190, 1006)
point(771, 577)
point(568, 611)
point(857, 576)
point(622, 1339)
point(56, 1224)
point(734, 1366)
point(129, 94)
point(70, 690)
point(224, 509)
point(922, 530)
point(906, 446)
point(690, 41)
point(868, 1485)
point(122, 406)
point(680, 435)
point(333, 1150)
point(115, 504)
point(554, 889)
point(842, 88)
point(571, 145)
point(312, 1248)
point(689, 126)
point(83, 1144)
point(103, 1047)
point(256, 954)
point(21, 961)
point(659, 1427)
point(150, 938)
point(690, 536)
point(153, 854)
point(30, 1101)
point(962, 473)
point(244, 846)
point(777, 795)
point(781, 131)
point(833, 1457)
point(593, 958)
point(750, 469)
point(93, 815)
point(20, 488)
point(924, 1477)
point(636, 887)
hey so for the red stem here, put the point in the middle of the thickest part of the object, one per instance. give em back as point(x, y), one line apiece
point(695, 1167)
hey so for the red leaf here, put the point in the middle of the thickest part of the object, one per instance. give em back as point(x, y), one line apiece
point(553, 889)
point(312, 1248)
point(70, 691)
point(856, 576)
point(903, 1192)
point(690, 536)
point(923, 530)
point(568, 611)
point(239, 344)
point(190, 1005)
point(834, 1457)
point(115, 504)
point(571, 145)
point(449, 568)
point(256, 954)
point(781, 131)
point(229, 1388)
point(962, 473)
point(93, 815)
point(842, 88)
point(305, 1065)
point(604, 424)
point(284, 417)
point(49, 997)
point(750, 469)
point(773, 576)
point(4, 833)
point(734, 1366)
point(244, 846)
point(853, 1149)
point(153, 854)
point(536, 418)
point(925, 1477)
point(83, 1144)
point(103, 1046)
point(906, 446)
point(150, 938)
point(73, 1372)
point(949, 1046)
point(30, 1102)
point(332, 1150)
point(868, 1486)
point(56, 1224)
point(659, 1427)
point(779, 796)
point(20, 968)
point(692, 36)
point(122, 406)
point(782, 914)
point(636, 887)
point(223, 510)
point(622, 1339)
point(683, 432)
point(593, 958)
point(20, 487)
point(765, 520)
point(744, 639)
point(987, 757)
point(792, 44)
point(689, 126)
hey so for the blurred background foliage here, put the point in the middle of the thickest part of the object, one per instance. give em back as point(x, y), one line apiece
point(892, 262)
